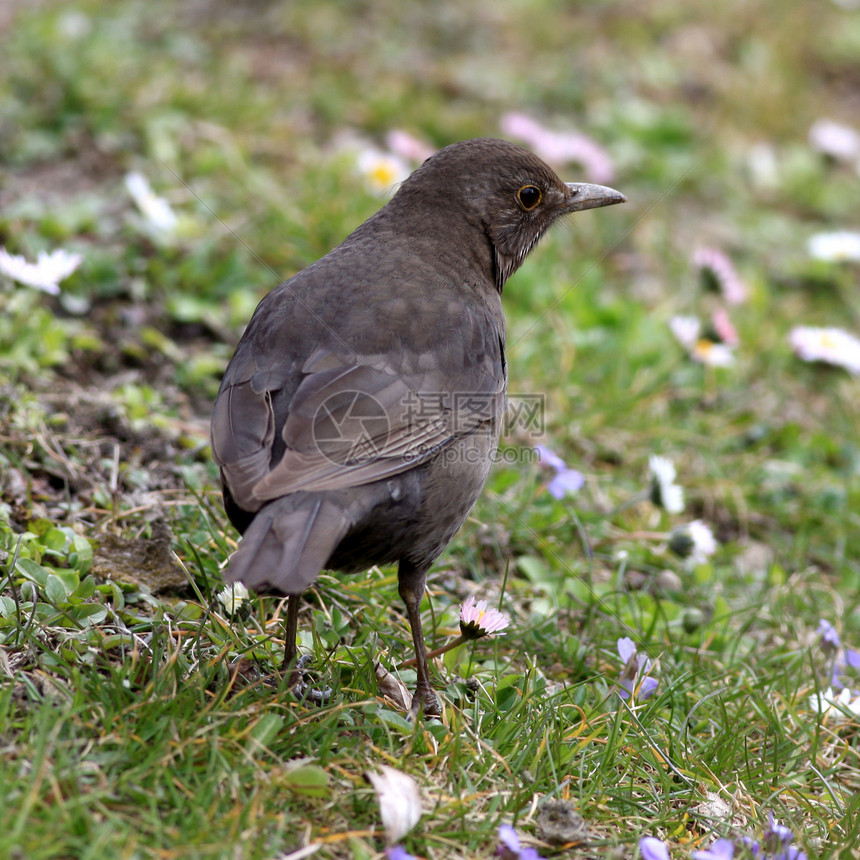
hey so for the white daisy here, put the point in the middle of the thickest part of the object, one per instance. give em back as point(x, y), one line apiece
point(687, 331)
point(665, 493)
point(232, 597)
point(381, 171)
point(713, 354)
point(840, 246)
point(829, 705)
point(45, 274)
point(155, 209)
point(840, 142)
point(694, 542)
point(830, 345)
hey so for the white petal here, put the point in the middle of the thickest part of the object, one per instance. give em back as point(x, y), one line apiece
point(399, 801)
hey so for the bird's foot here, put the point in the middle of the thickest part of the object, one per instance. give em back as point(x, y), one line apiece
point(301, 689)
point(426, 701)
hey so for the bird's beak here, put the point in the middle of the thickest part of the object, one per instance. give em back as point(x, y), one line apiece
point(583, 195)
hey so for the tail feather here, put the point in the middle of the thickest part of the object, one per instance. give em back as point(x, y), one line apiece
point(288, 543)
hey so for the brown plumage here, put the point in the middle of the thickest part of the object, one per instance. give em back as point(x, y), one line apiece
point(358, 418)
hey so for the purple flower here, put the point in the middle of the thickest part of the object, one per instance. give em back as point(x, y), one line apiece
point(722, 849)
point(398, 852)
point(830, 641)
point(510, 848)
point(777, 836)
point(652, 848)
point(635, 680)
point(852, 658)
point(792, 852)
point(565, 481)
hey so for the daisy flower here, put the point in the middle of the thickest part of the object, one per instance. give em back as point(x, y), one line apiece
point(840, 246)
point(687, 331)
point(694, 542)
point(407, 146)
point(478, 620)
point(560, 147)
point(233, 597)
point(836, 141)
point(718, 273)
point(665, 493)
point(45, 274)
point(832, 706)
point(829, 345)
point(381, 171)
point(155, 209)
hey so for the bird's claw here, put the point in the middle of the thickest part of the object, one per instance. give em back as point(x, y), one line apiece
point(301, 689)
point(426, 701)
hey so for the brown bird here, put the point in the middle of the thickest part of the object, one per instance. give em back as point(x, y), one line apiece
point(358, 419)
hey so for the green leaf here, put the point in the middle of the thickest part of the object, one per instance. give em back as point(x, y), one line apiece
point(309, 779)
point(266, 730)
point(533, 568)
point(33, 571)
point(88, 613)
point(86, 589)
point(55, 589)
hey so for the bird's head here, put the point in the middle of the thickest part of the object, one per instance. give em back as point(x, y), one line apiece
point(510, 193)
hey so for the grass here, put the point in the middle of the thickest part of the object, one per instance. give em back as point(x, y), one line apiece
point(127, 727)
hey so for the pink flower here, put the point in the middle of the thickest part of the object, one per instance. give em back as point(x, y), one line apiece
point(477, 620)
point(561, 147)
point(719, 273)
point(723, 328)
point(407, 146)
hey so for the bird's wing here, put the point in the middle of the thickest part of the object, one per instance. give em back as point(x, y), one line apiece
point(355, 419)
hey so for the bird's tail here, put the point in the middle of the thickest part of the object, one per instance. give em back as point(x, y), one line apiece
point(288, 543)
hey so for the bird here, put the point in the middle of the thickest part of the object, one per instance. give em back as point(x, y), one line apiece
point(358, 418)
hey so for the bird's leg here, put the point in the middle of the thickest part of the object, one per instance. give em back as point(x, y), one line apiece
point(295, 667)
point(410, 584)
point(291, 631)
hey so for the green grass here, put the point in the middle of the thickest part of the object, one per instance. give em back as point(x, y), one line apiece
point(126, 730)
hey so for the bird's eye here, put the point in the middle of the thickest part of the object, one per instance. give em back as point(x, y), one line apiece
point(529, 196)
